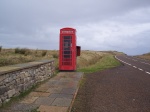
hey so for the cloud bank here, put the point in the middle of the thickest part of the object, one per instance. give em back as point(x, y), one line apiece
point(121, 25)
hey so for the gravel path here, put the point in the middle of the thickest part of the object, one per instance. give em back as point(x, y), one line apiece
point(121, 89)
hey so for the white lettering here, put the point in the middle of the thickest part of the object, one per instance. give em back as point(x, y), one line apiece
point(67, 32)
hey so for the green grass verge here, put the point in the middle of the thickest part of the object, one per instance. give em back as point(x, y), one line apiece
point(107, 61)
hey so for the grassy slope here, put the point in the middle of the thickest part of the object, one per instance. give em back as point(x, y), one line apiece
point(89, 61)
point(107, 61)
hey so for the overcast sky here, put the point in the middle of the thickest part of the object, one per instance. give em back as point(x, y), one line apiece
point(121, 25)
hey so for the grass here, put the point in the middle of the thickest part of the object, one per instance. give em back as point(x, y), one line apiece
point(0, 48)
point(107, 61)
point(44, 53)
point(24, 51)
point(23, 55)
point(85, 62)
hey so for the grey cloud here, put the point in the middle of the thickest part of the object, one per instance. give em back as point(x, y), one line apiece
point(36, 23)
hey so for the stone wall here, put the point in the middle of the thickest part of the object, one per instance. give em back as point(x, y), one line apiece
point(23, 77)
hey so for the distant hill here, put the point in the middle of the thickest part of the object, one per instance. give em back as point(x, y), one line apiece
point(144, 56)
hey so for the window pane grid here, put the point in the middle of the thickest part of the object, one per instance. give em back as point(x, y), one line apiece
point(67, 53)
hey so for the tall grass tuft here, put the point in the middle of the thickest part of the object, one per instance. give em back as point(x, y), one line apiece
point(24, 51)
point(44, 53)
point(55, 55)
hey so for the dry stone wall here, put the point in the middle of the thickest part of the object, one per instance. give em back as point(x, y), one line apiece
point(13, 82)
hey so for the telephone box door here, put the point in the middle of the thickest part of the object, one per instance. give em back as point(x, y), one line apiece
point(67, 51)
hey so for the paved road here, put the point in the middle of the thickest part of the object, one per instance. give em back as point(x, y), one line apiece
point(137, 63)
point(121, 89)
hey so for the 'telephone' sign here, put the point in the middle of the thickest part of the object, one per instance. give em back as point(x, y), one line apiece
point(67, 32)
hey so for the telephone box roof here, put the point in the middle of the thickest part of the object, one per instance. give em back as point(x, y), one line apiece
point(68, 28)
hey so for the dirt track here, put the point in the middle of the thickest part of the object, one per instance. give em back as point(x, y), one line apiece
point(121, 89)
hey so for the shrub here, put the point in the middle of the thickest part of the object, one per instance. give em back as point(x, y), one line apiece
point(55, 55)
point(44, 53)
point(0, 48)
point(24, 51)
point(17, 50)
point(36, 51)
point(27, 52)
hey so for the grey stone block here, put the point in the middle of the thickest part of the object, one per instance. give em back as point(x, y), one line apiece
point(68, 91)
point(64, 102)
point(23, 107)
point(11, 93)
point(7, 100)
point(61, 96)
point(44, 101)
point(3, 89)
point(3, 98)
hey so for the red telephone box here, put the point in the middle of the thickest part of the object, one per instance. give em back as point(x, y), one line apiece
point(68, 49)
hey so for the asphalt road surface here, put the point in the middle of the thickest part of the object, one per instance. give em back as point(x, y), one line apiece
point(137, 63)
point(121, 89)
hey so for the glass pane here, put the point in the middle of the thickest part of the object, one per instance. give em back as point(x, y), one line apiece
point(67, 52)
point(66, 47)
point(67, 56)
point(69, 41)
point(67, 37)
